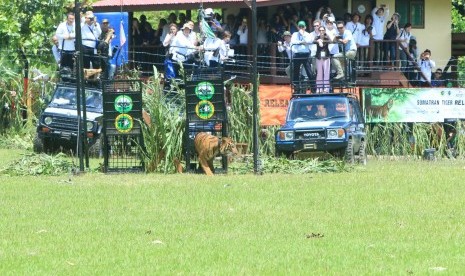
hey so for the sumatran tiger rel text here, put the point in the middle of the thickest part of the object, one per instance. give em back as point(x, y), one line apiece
point(209, 146)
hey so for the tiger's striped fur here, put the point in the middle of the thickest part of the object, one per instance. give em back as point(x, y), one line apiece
point(209, 146)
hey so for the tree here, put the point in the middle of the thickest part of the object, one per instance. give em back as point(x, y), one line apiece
point(458, 16)
point(29, 25)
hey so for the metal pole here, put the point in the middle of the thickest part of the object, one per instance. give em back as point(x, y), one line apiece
point(79, 81)
point(255, 89)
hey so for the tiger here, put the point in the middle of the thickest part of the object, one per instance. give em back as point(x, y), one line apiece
point(209, 146)
point(380, 111)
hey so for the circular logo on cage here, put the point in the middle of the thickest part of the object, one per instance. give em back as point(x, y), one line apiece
point(124, 123)
point(204, 90)
point(204, 109)
point(123, 104)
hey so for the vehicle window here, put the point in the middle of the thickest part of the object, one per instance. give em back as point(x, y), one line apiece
point(64, 96)
point(93, 99)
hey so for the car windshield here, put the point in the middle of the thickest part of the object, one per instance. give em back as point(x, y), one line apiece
point(66, 97)
point(319, 109)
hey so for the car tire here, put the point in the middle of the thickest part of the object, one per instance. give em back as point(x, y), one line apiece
point(37, 144)
point(362, 154)
point(349, 154)
point(41, 145)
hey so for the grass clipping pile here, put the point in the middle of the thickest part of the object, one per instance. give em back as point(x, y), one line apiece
point(269, 164)
point(39, 164)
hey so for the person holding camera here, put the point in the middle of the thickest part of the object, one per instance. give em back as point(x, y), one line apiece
point(392, 31)
point(349, 46)
point(426, 66)
point(323, 63)
point(285, 46)
point(379, 15)
point(90, 31)
point(300, 42)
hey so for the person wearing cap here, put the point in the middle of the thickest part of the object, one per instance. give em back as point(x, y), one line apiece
point(300, 46)
point(90, 32)
point(66, 41)
point(286, 46)
point(182, 47)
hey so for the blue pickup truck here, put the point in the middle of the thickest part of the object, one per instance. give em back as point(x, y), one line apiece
point(329, 123)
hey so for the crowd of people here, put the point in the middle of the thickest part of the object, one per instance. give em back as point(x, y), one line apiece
point(96, 43)
point(312, 42)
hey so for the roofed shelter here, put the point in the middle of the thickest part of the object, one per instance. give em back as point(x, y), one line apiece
point(159, 5)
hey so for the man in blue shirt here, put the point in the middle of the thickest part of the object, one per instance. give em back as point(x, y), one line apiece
point(300, 47)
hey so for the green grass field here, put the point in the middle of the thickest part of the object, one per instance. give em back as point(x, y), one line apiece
point(392, 217)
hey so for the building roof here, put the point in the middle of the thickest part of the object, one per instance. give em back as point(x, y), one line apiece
point(152, 5)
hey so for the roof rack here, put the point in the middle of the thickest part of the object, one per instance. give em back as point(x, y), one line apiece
point(342, 94)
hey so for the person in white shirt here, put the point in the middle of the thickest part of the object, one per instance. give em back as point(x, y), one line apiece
point(66, 39)
point(224, 47)
point(404, 38)
point(300, 42)
point(183, 49)
point(211, 47)
point(90, 32)
point(350, 48)
point(379, 15)
point(286, 46)
point(426, 66)
point(355, 26)
point(243, 34)
point(169, 37)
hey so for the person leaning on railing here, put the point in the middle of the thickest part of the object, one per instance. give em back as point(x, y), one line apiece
point(300, 42)
point(404, 39)
point(350, 48)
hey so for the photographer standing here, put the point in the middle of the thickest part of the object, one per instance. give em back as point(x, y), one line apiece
point(392, 31)
point(426, 66)
point(90, 31)
point(300, 42)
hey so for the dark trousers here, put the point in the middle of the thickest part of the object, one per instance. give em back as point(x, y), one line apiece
point(298, 60)
point(67, 59)
point(90, 56)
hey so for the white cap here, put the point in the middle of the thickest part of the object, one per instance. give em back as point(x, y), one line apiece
point(209, 11)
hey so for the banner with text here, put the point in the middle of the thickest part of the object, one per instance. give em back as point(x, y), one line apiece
point(412, 105)
point(273, 104)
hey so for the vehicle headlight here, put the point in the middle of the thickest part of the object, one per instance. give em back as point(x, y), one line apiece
point(90, 126)
point(336, 133)
point(48, 120)
point(286, 135)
